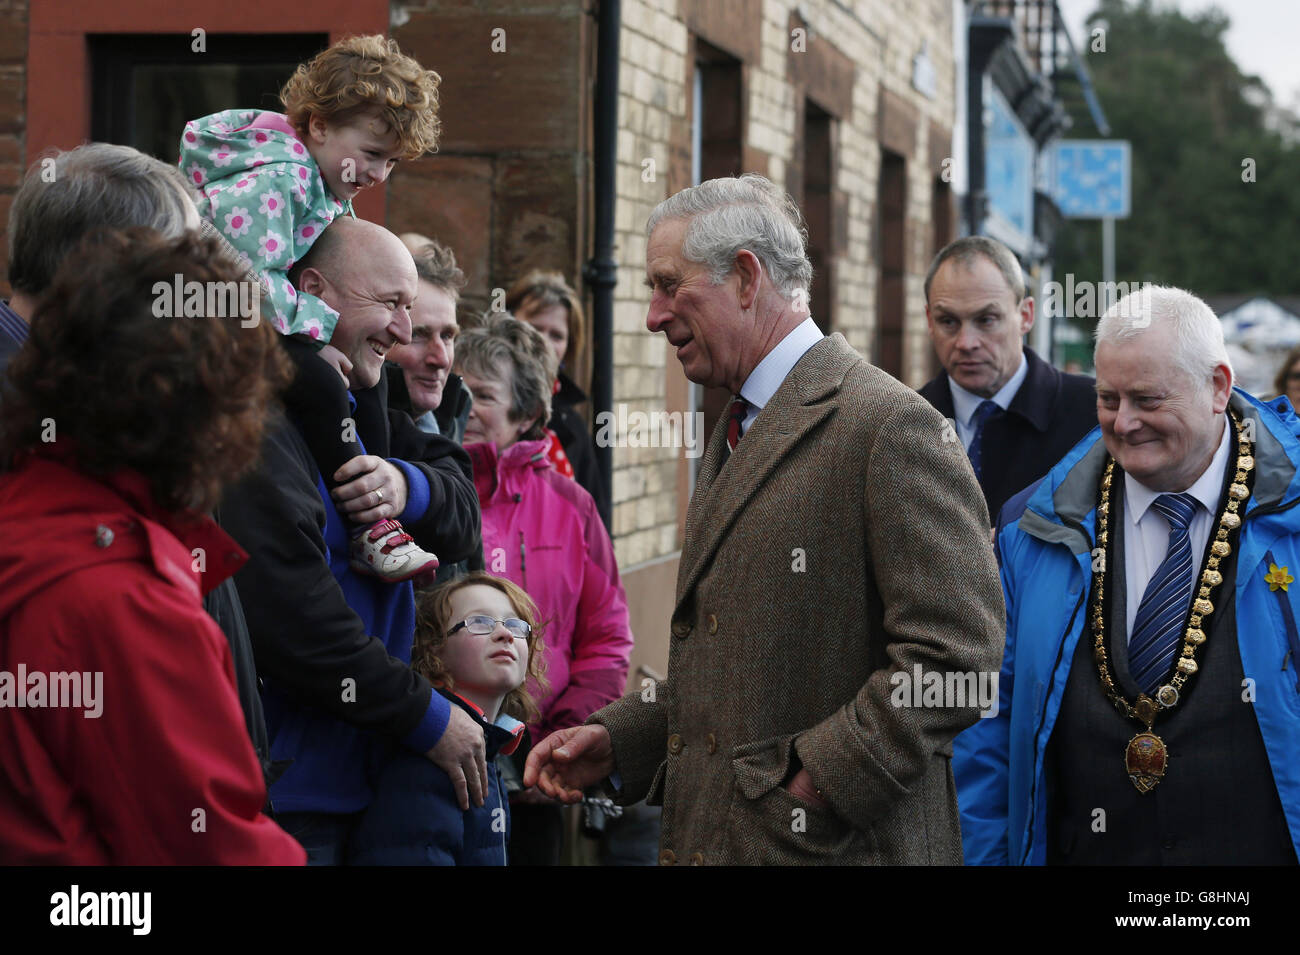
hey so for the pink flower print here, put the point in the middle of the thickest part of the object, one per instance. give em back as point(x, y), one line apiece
point(221, 156)
point(307, 232)
point(303, 173)
point(237, 222)
point(290, 292)
point(313, 327)
point(272, 205)
point(242, 186)
point(259, 158)
point(260, 136)
point(270, 247)
point(297, 148)
point(195, 174)
point(191, 137)
point(280, 324)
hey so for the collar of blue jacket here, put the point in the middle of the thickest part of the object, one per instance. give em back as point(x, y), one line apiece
point(502, 736)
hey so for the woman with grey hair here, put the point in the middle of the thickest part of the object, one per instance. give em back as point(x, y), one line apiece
point(541, 530)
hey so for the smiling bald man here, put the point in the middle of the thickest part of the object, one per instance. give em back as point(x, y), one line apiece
point(332, 645)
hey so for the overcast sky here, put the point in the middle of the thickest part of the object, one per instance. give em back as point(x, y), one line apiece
point(1263, 37)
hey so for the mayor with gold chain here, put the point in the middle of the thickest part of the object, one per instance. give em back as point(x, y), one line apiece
point(1150, 704)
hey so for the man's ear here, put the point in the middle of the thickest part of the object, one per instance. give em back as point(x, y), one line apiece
point(1026, 314)
point(312, 282)
point(1221, 382)
point(750, 271)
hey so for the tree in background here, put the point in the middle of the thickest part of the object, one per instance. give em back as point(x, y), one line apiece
point(1168, 84)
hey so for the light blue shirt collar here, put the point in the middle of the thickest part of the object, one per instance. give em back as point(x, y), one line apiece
point(427, 423)
point(767, 376)
point(965, 404)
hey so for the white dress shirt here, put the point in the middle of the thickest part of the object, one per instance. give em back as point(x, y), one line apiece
point(767, 376)
point(965, 404)
point(1146, 532)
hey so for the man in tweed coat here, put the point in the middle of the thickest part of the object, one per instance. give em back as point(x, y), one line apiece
point(840, 552)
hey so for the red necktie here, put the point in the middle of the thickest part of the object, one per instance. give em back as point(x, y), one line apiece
point(739, 408)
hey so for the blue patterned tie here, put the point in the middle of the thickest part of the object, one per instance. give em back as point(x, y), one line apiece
point(1158, 626)
point(988, 407)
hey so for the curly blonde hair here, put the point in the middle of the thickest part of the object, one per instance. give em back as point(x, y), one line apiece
point(433, 620)
point(362, 73)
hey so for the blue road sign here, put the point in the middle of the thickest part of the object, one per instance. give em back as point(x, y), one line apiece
point(1091, 178)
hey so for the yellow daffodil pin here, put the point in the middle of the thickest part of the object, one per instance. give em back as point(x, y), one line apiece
point(1278, 577)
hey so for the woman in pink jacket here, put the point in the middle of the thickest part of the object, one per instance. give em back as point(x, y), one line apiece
point(542, 531)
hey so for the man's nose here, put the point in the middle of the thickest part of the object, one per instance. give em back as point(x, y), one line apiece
point(400, 326)
point(1126, 419)
point(656, 316)
point(436, 353)
point(967, 338)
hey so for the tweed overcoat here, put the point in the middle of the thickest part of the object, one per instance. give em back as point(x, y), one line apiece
point(844, 542)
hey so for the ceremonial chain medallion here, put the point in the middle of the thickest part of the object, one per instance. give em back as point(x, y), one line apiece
point(1146, 757)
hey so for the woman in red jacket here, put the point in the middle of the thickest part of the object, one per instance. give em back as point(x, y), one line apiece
point(121, 736)
point(543, 532)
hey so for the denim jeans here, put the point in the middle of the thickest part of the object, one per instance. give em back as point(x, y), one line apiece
point(323, 834)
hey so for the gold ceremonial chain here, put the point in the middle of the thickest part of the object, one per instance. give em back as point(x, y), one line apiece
point(1146, 757)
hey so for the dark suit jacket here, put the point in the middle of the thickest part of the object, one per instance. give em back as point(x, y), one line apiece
point(1047, 417)
point(816, 566)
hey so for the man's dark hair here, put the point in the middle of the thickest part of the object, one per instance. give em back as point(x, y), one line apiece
point(182, 400)
point(971, 247)
point(99, 185)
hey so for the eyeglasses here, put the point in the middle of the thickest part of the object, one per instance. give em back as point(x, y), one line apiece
point(482, 625)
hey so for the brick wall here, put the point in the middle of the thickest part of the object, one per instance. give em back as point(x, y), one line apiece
point(849, 58)
point(13, 120)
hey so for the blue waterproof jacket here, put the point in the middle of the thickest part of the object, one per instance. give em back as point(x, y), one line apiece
point(1046, 559)
point(414, 818)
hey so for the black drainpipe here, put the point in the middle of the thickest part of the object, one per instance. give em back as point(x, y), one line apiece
point(601, 272)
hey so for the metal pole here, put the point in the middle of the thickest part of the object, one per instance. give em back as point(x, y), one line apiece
point(1108, 251)
point(601, 272)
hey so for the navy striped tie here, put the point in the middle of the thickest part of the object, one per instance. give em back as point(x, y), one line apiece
point(987, 409)
point(1158, 626)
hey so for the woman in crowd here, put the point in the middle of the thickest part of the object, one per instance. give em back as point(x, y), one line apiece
point(541, 530)
point(546, 301)
point(125, 414)
point(1287, 381)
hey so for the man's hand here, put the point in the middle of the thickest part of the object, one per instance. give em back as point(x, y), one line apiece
point(532, 796)
point(568, 761)
point(374, 489)
point(336, 360)
point(801, 787)
point(461, 754)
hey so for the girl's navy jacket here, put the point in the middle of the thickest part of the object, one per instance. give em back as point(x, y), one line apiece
point(414, 818)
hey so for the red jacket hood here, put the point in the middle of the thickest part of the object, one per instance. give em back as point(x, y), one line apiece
point(55, 520)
